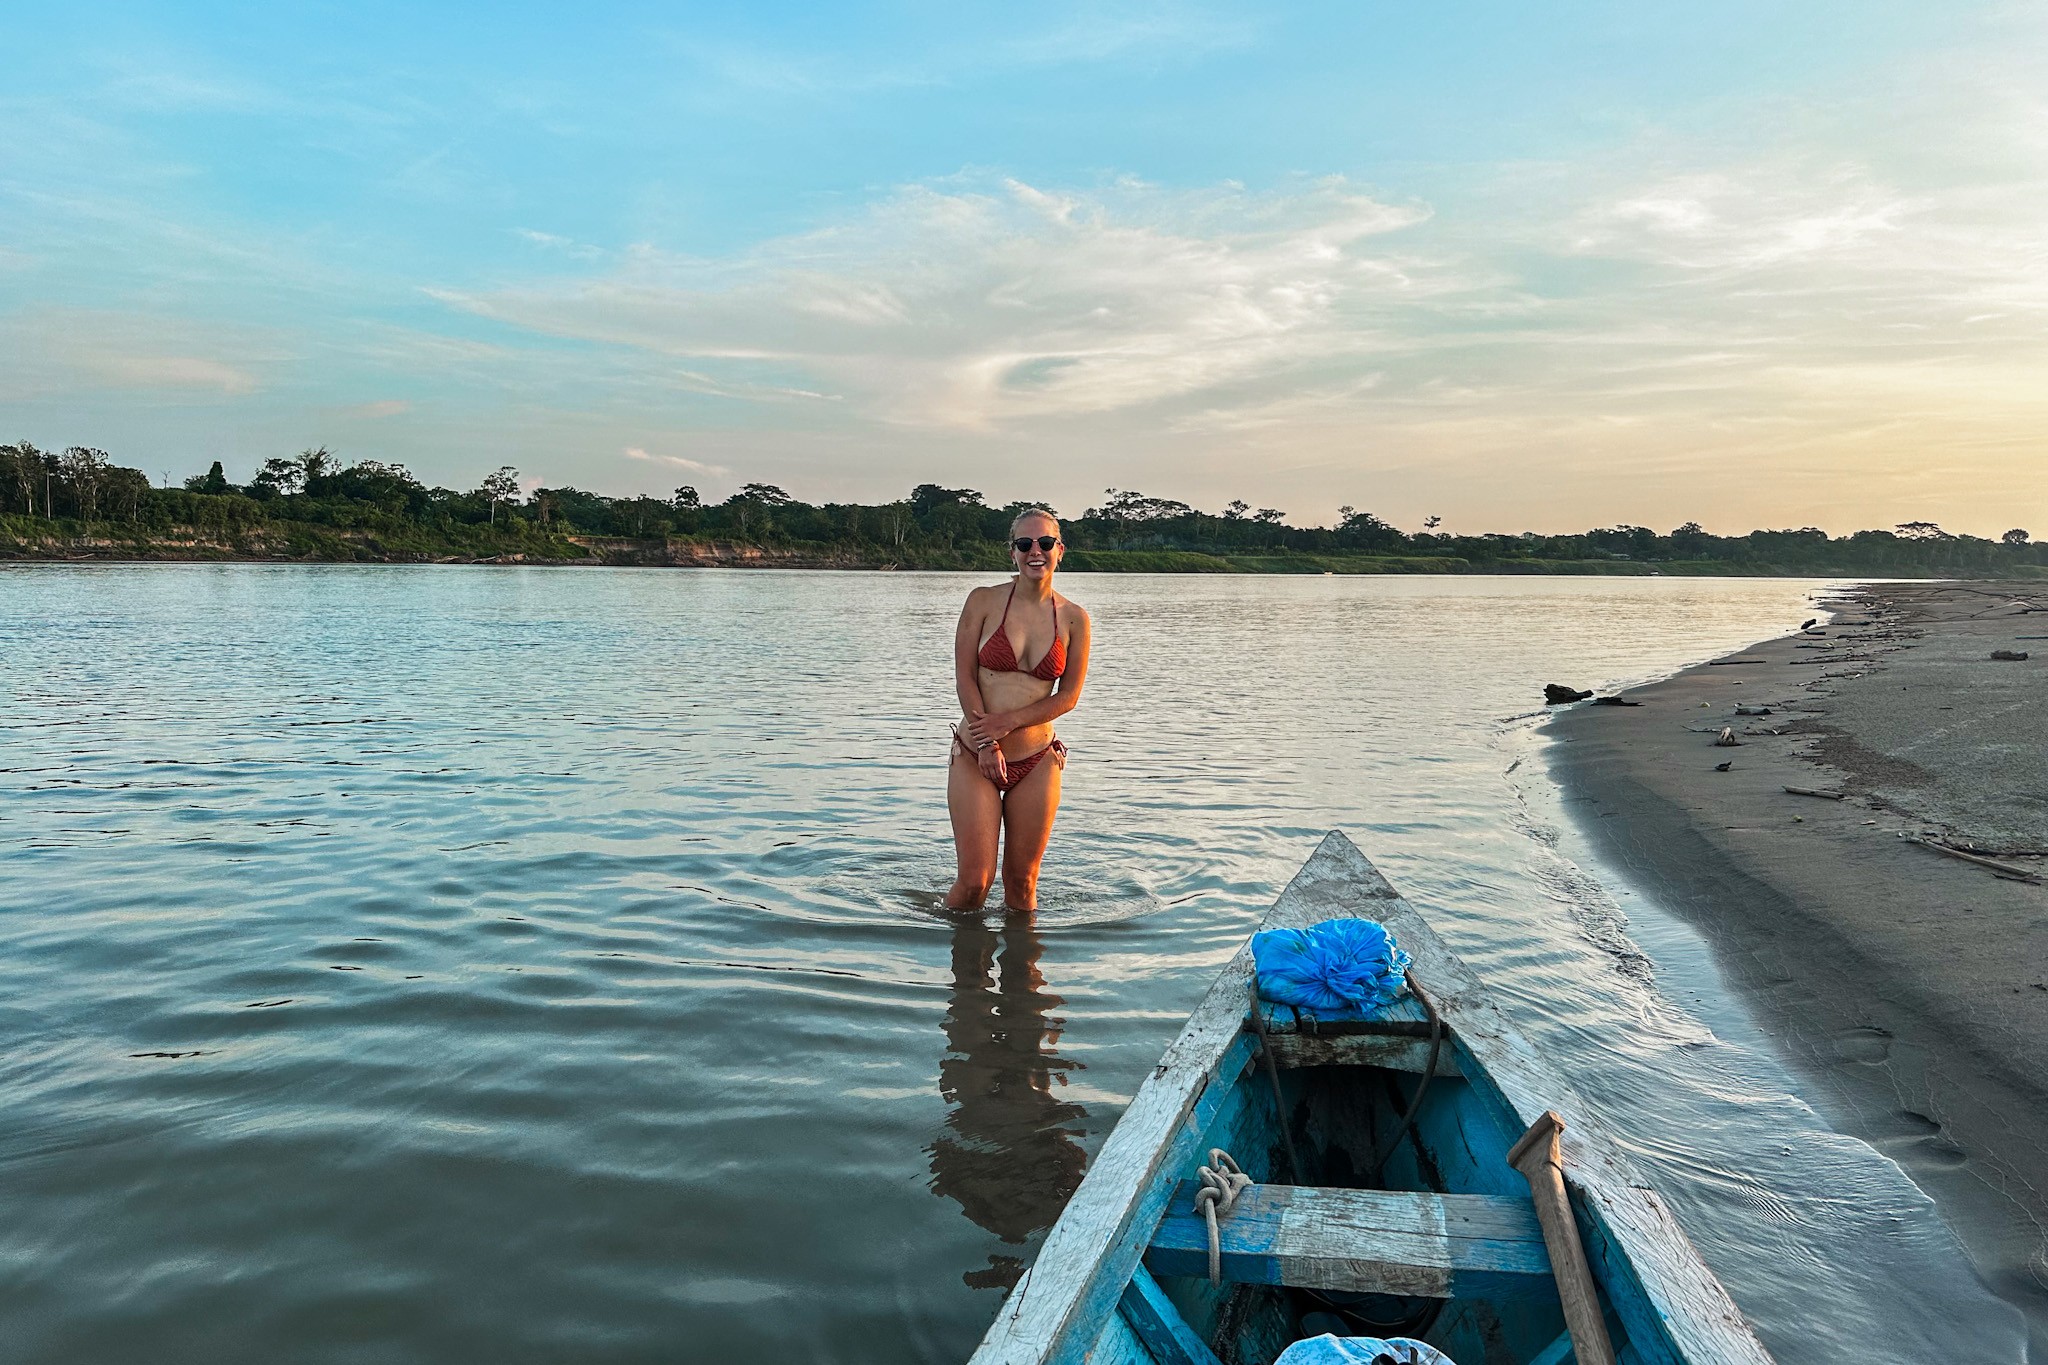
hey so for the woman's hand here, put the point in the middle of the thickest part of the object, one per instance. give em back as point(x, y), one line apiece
point(993, 766)
point(990, 727)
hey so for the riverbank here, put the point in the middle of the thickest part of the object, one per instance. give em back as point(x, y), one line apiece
point(1911, 985)
point(305, 544)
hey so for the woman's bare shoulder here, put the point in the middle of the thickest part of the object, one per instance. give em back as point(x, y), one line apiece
point(1073, 612)
point(980, 598)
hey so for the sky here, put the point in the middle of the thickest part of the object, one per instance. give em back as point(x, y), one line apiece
point(1523, 267)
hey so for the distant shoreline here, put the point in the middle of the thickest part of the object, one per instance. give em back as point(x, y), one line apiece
point(315, 508)
point(676, 553)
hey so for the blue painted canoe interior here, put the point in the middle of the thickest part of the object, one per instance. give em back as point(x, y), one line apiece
point(1338, 1116)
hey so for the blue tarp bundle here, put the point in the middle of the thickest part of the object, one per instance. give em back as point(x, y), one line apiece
point(1339, 969)
point(1333, 1350)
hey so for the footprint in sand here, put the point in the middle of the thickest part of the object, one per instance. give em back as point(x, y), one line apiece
point(1915, 1123)
point(1869, 1046)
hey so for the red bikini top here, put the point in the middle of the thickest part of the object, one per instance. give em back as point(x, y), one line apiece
point(999, 656)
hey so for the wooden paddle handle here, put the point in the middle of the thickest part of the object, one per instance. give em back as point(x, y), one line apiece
point(1537, 1155)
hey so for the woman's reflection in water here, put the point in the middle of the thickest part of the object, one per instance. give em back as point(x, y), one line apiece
point(1012, 1154)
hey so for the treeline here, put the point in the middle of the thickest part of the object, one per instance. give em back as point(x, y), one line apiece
point(315, 506)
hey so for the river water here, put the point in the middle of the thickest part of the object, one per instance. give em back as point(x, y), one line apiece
point(504, 965)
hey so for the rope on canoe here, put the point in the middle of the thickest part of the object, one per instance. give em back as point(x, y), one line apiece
point(1222, 1182)
point(1436, 1047)
point(1273, 1075)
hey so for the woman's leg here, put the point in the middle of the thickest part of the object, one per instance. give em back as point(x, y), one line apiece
point(1027, 827)
point(977, 809)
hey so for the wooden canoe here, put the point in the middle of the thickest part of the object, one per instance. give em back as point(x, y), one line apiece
point(1443, 1245)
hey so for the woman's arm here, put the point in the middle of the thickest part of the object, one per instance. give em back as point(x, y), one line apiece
point(967, 684)
point(966, 656)
point(1065, 696)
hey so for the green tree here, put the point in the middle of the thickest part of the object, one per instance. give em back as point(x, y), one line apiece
point(10, 474)
point(213, 481)
point(929, 497)
point(753, 506)
point(31, 471)
point(1365, 529)
point(85, 469)
point(278, 478)
point(314, 465)
point(897, 520)
point(123, 492)
point(502, 486)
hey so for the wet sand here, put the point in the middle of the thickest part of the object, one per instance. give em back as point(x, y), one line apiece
point(1910, 986)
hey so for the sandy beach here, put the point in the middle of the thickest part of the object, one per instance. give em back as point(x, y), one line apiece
point(1911, 985)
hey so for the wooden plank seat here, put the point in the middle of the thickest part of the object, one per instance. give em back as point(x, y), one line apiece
point(1363, 1241)
point(1390, 1052)
point(1404, 1016)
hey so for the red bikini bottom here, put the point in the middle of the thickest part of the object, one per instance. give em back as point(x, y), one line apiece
point(1015, 770)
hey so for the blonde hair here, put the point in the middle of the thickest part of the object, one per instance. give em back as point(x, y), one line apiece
point(1030, 512)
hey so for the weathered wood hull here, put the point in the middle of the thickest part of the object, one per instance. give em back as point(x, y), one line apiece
point(1441, 1244)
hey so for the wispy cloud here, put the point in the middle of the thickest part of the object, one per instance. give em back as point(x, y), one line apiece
point(81, 351)
point(162, 81)
point(568, 246)
point(1142, 31)
point(382, 408)
point(973, 307)
point(677, 461)
point(170, 372)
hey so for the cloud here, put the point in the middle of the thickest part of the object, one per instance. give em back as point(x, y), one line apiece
point(568, 246)
point(383, 407)
point(91, 351)
point(174, 82)
point(680, 462)
point(170, 372)
point(1141, 31)
point(1634, 326)
point(976, 307)
point(1723, 221)
point(697, 382)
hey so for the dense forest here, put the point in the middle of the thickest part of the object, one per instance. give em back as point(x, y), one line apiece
point(79, 504)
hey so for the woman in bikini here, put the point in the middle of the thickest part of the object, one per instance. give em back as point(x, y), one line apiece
point(1005, 775)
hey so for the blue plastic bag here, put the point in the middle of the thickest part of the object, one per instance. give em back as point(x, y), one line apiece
point(1341, 968)
point(1332, 1350)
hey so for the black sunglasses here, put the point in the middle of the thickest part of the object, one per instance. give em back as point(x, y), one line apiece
point(1023, 543)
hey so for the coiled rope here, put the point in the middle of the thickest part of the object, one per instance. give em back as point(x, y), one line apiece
point(1222, 1182)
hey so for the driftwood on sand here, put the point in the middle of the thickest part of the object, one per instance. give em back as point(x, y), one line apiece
point(2005, 870)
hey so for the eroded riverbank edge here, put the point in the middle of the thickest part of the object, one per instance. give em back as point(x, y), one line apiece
point(1910, 988)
